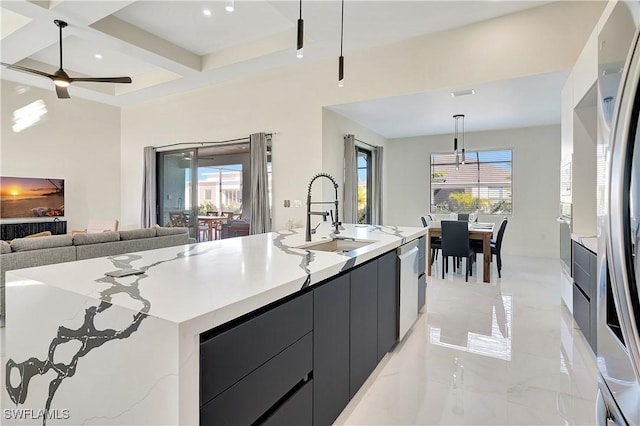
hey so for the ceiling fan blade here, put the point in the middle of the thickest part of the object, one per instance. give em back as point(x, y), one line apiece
point(62, 92)
point(29, 70)
point(103, 79)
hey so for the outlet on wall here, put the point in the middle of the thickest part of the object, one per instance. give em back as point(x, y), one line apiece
point(287, 203)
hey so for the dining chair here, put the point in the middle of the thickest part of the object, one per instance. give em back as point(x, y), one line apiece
point(455, 243)
point(203, 230)
point(234, 228)
point(436, 242)
point(463, 217)
point(178, 219)
point(496, 246)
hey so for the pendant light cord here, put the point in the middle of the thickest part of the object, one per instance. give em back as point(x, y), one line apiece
point(300, 9)
point(341, 27)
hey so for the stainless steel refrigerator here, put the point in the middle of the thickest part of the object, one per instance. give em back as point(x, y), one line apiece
point(618, 348)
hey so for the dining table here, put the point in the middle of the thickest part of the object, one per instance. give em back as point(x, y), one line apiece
point(477, 231)
point(212, 222)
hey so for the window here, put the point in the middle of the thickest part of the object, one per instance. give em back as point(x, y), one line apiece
point(483, 184)
point(363, 169)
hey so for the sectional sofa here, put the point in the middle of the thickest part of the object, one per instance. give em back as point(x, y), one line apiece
point(30, 252)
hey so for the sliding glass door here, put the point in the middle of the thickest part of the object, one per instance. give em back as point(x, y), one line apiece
point(177, 185)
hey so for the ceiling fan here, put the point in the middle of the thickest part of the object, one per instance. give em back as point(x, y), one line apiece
point(60, 78)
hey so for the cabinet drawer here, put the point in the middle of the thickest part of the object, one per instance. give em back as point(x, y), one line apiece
point(582, 312)
point(581, 256)
point(582, 279)
point(296, 410)
point(250, 398)
point(231, 355)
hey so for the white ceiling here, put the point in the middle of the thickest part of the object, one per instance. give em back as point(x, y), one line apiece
point(169, 47)
point(519, 102)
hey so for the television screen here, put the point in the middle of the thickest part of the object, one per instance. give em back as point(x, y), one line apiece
point(31, 197)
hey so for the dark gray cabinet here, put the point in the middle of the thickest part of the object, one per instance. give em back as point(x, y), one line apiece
point(585, 292)
point(355, 323)
point(387, 303)
point(249, 368)
point(363, 325)
point(330, 349)
point(299, 361)
point(247, 401)
point(296, 410)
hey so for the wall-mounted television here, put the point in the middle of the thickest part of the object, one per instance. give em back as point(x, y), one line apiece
point(22, 197)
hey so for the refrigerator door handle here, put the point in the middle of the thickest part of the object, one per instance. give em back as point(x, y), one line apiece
point(618, 234)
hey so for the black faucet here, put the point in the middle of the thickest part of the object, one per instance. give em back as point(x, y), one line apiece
point(336, 224)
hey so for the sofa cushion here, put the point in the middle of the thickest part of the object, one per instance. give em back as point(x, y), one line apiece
point(97, 238)
point(161, 232)
point(136, 234)
point(5, 247)
point(26, 244)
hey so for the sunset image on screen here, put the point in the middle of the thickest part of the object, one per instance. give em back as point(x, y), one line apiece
point(31, 197)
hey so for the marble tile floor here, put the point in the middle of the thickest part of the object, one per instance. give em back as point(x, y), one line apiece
point(504, 353)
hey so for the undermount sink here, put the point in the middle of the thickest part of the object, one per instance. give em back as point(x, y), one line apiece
point(336, 245)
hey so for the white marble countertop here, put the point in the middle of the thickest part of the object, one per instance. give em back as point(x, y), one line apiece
point(589, 241)
point(148, 326)
point(219, 279)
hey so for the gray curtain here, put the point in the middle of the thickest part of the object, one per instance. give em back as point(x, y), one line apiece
point(260, 211)
point(148, 214)
point(350, 191)
point(376, 199)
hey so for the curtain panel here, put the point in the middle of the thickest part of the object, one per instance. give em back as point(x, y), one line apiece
point(260, 211)
point(350, 192)
point(148, 215)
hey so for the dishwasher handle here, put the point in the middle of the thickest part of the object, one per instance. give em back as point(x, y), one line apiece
point(407, 247)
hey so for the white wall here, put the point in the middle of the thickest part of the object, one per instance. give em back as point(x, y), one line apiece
point(79, 142)
point(289, 101)
point(532, 228)
point(334, 128)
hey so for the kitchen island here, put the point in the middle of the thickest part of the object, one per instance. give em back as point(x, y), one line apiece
point(83, 347)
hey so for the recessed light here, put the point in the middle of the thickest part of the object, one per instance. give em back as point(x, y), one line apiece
point(98, 56)
point(463, 93)
point(206, 12)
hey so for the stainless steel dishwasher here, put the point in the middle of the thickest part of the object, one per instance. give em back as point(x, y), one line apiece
point(408, 270)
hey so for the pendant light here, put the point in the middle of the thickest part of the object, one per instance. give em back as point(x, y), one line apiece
point(458, 118)
point(229, 6)
point(299, 52)
point(341, 58)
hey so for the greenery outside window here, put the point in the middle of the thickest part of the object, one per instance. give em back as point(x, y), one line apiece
point(482, 185)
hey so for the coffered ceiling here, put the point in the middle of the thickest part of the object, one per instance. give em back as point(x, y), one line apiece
point(168, 47)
